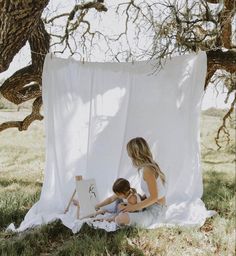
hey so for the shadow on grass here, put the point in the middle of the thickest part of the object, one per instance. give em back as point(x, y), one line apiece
point(56, 239)
point(99, 242)
point(14, 206)
point(219, 192)
point(7, 182)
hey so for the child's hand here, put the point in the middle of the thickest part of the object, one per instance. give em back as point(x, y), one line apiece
point(121, 206)
point(75, 202)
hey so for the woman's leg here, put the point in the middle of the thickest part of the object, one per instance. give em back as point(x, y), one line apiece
point(122, 219)
point(141, 219)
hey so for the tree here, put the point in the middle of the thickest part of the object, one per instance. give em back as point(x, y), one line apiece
point(170, 27)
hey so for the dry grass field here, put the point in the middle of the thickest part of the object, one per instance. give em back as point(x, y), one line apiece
point(21, 175)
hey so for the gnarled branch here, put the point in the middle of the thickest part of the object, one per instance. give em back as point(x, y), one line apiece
point(219, 59)
point(17, 88)
point(23, 125)
point(25, 84)
point(223, 127)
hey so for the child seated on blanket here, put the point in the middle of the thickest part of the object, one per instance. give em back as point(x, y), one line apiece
point(123, 195)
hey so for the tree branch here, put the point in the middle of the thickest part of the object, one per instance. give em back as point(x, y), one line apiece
point(23, 125)
point(220, 60)
point(17, 88)
point(223, 127)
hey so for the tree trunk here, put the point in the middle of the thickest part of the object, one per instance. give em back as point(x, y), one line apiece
point(17, 21)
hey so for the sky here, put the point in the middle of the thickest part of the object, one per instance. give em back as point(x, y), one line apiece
point(213, 97)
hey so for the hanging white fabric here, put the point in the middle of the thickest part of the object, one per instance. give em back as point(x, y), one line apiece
point(93, 109)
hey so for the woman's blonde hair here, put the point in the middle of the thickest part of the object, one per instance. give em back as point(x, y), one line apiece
point(141, 156)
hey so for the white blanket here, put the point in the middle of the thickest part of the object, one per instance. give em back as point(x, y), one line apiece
point(93, 109)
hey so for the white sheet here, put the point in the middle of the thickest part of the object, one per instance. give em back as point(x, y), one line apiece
point(93, 109)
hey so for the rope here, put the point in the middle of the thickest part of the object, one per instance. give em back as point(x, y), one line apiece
point(44, 54)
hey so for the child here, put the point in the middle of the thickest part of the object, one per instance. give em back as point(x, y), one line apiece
point(123, 195)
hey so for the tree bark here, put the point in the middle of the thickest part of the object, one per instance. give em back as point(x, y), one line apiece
point(17, 21)
point(220, 60)
point(20, 21)
point(17, 88)
point(225, 20)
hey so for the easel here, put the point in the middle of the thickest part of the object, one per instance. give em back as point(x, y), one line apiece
point(71, 199)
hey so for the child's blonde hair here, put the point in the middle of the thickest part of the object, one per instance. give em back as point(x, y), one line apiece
point(141, 156)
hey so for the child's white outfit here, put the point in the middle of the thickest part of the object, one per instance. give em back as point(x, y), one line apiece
point(138, 198)
point(113, 207)
point(125, 201)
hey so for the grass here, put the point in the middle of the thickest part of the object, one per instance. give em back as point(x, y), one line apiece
point(21, 177)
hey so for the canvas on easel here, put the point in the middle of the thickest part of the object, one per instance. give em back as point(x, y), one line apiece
point(86, 192)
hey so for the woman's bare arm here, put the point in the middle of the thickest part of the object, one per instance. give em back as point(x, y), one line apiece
point(150, 178)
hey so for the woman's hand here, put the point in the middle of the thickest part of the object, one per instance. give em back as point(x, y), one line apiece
point(130, 208)
point(150, 178)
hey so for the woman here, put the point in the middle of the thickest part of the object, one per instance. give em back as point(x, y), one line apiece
point(148, 211)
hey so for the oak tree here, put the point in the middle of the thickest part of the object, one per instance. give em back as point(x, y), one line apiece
point(148, 30)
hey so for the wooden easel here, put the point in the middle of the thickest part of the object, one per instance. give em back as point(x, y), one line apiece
point(71, 199)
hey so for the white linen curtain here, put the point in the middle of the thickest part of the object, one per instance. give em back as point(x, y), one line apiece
point(93, 109)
